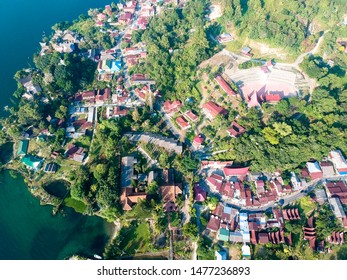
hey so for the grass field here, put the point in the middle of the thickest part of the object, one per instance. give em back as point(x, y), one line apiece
point(135, 238)
point(77, 205)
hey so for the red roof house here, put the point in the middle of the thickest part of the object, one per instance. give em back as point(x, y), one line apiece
point(199, 193)
point(190, 115)
point(236, 171)
point(235, 129)
point(198, 140)
point(212, 110)
point(125, 18)
point(273, 97)
point(224, 85)
point(213, 224)
point(172, 106)
point(182, 123)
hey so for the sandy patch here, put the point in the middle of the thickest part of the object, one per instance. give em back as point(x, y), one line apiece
point(215, 12)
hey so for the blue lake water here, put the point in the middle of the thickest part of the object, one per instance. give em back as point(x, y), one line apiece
point(27, 229)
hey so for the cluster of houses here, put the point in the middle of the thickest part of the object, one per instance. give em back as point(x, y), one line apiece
point(63, 42)
point(131, 194)
point(227, 224)
point(134, 55)
point(235, 183)
point(30, 86)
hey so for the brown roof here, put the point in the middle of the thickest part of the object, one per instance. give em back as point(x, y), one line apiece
point(310, 222)
point(253, 237)
point(214, 109)
point(235, 129)
point(213, 223)
point(313, 243)
point(289, 240)
point(263, 238)
point(169, 193)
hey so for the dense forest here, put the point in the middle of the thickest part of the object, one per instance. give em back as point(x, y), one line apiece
point(286, 24)
point(176, 44)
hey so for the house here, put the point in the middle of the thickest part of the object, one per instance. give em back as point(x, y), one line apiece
point(278, 215)
point(337, 189)
point(320, 196)
point(295, 181)
point(213, 223)
point(182, 123)
point(220, 255)
point(168, 144)
point(32, 162)
point(260, 185)
point(314, 170)
point(29, 85)
point(263, 238)
point(214, 182)
point(23, 148)
point(212, 110)
point(235, 129)
point(79, 155)
point(246, 51)
point(310, 233)
point(190, 115)
point(235, 237)
point(339, 161)
point(109, 66)
point(327, 168)
point(272, 97)
point(85, 96)
point(169, 190)
point(244, 227)
point(91, 114)
point(103, 96)
point(142, 23)
point(228, 216)
point(224, 85)
point(75, 153)
point(336, 238)
point(291, 214)
point(172, 106)
point(337, 208)
point(125, 18)
point(118, 111)
point(225, 38)
point(223, 234)
point(239, 172)
point(199, 193)
point(129, 195)
point(141, 79)
point(246, 250)
point(197, 141)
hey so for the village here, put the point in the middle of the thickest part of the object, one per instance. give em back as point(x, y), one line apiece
point(250, 208)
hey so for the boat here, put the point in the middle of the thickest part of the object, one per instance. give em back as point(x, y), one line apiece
point(97, 257)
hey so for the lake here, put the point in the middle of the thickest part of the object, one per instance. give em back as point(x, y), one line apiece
point(28, 230)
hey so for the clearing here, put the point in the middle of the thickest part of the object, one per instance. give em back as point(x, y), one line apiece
point(215, 11)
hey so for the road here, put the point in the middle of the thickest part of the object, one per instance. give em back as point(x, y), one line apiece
point(167, 120)
point(119, 41)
